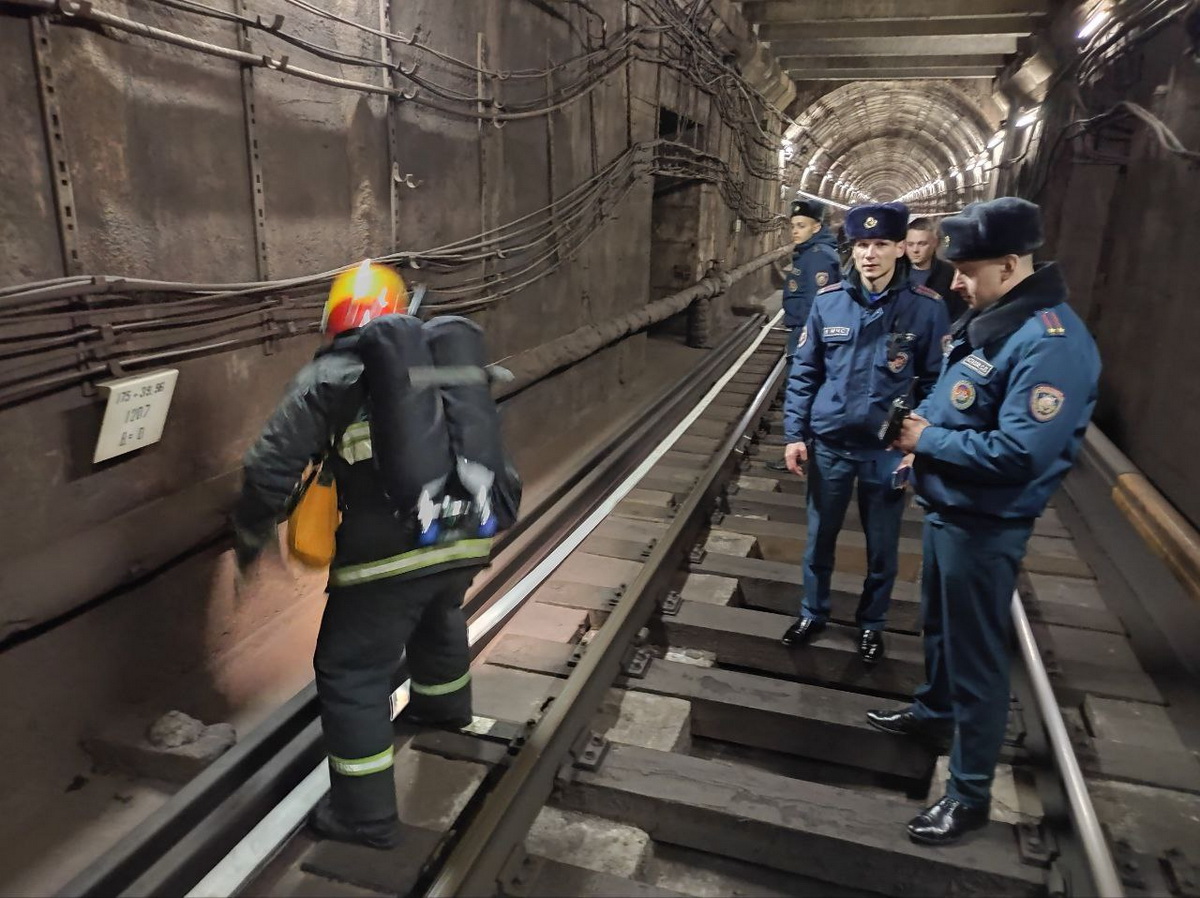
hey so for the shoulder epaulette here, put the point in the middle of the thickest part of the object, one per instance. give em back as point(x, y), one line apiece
point(1052, 323)
point(926, 292)
point(829, 288)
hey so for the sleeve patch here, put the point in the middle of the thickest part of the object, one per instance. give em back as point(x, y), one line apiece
point(803, 337)
point(1045, 402)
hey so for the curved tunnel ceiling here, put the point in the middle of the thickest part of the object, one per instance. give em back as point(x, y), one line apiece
point(894, 96)
point(882, 140)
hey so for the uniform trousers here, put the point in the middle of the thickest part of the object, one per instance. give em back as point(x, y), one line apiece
point(364, 633)
point(832, 475)
point(968, 576)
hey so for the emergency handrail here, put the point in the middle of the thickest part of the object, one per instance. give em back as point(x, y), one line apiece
point(1083, 813)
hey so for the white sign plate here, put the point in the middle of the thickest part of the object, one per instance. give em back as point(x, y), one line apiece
point(136, 412)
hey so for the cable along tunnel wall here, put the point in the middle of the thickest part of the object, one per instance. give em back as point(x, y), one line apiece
point(170, 186)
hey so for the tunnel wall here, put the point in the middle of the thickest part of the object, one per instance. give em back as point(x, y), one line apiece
point(157, 146)
point(1122, 219)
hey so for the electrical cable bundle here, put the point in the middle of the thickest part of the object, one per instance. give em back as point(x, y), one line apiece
point(63, 331)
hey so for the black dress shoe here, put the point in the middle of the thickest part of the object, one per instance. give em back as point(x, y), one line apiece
point(870, 646)
point(903, 723)
point(801, 632)
point(946, 822)
point(417, 720)
point(381, 834)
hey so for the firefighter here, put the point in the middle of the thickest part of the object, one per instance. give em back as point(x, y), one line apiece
point(387, 594)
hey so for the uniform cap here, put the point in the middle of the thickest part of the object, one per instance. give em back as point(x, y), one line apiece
point(813, 209)
point(879, 221)
point(1001, 227)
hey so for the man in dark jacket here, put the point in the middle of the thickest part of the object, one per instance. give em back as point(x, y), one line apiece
point(868, 341)
point(387, 594)
point(927, 269)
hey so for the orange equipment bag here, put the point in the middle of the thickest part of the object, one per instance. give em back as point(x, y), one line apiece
point(314, 521)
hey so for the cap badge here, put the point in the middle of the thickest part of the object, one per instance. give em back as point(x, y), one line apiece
point(871, 222)
point(946, 241)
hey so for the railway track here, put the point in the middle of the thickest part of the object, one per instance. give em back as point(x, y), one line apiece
point(629, 680)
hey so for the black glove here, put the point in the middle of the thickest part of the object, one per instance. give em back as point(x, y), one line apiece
point(248, 545)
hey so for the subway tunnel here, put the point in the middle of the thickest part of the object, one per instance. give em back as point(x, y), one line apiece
point(605, 188)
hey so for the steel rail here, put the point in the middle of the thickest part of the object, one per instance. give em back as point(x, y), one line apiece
point(474, 864)
point(1103, 870)
point(173, 848)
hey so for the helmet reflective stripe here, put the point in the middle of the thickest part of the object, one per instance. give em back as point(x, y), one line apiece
point(441, 688)
point(363, 766)
point(361, 295)
point(410, 561)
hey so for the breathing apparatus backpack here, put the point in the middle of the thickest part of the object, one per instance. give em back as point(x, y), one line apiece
point(435, 428)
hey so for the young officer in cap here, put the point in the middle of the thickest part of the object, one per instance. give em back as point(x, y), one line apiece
point(989, 447)
point(814, 266)
point(868, 341)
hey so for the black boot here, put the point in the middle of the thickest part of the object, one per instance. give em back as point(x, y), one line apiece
point(779, 465)
point(870, 646)
point(801, 632)
point(903, 723)
point(946, 822)
point(325, 823)
point(417, 720)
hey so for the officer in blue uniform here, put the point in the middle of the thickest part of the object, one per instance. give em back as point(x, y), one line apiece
point(988, 448)
point(868, 341)
point(814, 265)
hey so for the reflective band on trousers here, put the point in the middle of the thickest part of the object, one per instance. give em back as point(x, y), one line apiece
point(441, 688)
point(410, 561)
point(363, 766)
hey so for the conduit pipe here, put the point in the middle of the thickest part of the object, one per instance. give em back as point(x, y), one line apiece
point(535, 364)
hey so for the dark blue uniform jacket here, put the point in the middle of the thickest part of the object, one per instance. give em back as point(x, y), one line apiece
point(814, 265)
point(1009, 412)
point(855, 357)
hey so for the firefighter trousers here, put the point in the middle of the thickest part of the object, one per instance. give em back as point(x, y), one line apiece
point(364, 631)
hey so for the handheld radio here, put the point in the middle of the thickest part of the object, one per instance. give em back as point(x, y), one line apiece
point(901, 409)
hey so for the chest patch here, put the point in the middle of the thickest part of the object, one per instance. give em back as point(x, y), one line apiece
point(1045, 402)
point(835, 333)
point(899, 363)
point(793, 286)
point(822, 278)
point(979, 365)
point(962, 395)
